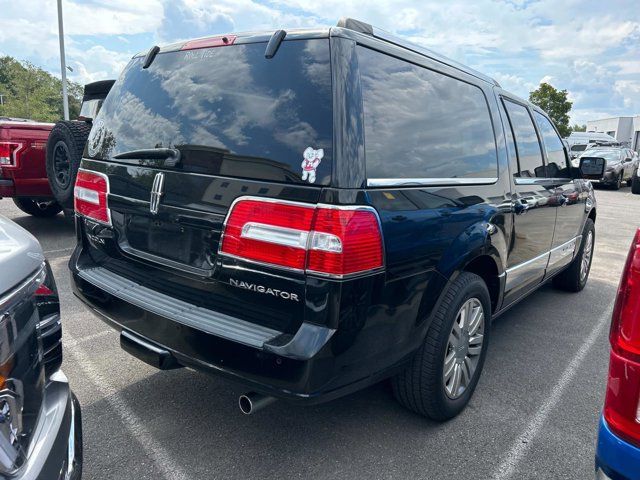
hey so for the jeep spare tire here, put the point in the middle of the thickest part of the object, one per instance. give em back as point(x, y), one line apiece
point(64, 151)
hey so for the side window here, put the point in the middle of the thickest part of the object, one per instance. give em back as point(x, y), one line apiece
point(556, 159)
point(529, 152)
point(422, 124)
point(508, 136)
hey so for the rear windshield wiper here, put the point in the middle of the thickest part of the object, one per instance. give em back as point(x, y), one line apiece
point(169, 157)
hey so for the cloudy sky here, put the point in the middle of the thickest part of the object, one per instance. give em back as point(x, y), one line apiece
point(590, 48)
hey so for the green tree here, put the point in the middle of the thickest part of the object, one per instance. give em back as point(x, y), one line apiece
point(30, 92)
point(555, 103)
point(579, 128)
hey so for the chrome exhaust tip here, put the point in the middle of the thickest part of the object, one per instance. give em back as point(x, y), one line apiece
point(251, 402)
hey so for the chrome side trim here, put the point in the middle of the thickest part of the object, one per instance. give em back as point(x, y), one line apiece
point(519, 274)
point(540, 181)
point(563, 254)
point(417, 182)
point(527, 263)
point(555, 258)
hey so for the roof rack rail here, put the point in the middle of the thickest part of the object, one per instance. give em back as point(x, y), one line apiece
point(368, 29)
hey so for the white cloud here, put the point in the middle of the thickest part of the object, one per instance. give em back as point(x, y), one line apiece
point(591, 48)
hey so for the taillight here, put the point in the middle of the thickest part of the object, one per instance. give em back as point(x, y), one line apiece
point(625, 322)
point(43, 290)
point(622, 402)
point(90, 196)
point(319, 239)
point(9, 154)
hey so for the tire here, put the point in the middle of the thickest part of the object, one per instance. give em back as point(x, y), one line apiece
point(635, 184)
point(64, 151)
point(36, 208)
point(618, 182)
point(422, 386)
point(573, 279)
point(630, 180)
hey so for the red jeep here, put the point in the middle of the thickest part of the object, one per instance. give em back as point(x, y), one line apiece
point(23, 175)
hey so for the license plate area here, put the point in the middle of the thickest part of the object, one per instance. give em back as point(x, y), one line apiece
point(171, 242)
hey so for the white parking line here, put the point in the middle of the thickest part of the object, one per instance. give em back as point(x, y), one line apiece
point(167, 466)
point(68, 249)
point(77, 341)
point(522, 444)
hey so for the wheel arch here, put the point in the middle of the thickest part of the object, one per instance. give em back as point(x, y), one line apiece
point(485, 267)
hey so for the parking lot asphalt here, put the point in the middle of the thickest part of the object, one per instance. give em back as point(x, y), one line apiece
point(534, 414)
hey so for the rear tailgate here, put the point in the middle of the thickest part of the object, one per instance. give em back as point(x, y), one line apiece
point(241, 124)
point(26, 167)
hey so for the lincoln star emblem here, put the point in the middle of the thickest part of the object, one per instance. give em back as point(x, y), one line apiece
point(156, 192)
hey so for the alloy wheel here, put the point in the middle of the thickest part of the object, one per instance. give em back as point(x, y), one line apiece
point(463, 348)
point(586, 256)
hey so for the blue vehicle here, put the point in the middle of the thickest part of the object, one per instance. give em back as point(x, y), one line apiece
point(618, 450)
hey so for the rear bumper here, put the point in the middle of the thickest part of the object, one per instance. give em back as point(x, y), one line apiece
point(615, 458)
point(7, 188)
point(302, 368)
point(56, 449)
point(14, 186)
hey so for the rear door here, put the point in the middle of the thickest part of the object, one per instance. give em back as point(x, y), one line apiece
point(240, 125)
point(532, 203)
point(569, 196)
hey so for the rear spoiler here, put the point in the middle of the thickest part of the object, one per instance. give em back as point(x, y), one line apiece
point(97, 90)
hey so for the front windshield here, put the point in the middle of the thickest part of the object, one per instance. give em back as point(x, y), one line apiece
point(608, 155)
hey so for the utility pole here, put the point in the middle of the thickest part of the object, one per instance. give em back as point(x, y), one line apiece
point(63, 63)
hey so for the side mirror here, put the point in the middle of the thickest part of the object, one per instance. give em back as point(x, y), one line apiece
point(627, 159)
point(592, 168)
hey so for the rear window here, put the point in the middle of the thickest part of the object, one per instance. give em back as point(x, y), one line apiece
point(229, 110)
point(422, 124)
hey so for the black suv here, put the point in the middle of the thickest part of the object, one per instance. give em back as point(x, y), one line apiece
point(309, 212)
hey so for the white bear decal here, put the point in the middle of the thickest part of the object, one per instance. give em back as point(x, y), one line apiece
point(312, 159)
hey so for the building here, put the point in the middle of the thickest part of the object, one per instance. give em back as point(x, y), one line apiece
point(626, 130)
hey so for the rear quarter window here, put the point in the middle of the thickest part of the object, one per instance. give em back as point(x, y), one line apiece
point(423, 124)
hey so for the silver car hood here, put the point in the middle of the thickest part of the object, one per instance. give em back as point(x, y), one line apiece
point(20, 254)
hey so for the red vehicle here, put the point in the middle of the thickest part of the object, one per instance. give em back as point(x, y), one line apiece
point(618, 449)
point(23, 175)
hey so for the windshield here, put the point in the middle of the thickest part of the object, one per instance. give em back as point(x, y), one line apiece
point(229, 110)
point(608, 155)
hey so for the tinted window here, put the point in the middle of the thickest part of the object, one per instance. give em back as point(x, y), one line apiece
point(529, 152)
point(611, 156)
point(229, 110)
point(511, 145)
point(422, 124)
point(556, 160)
